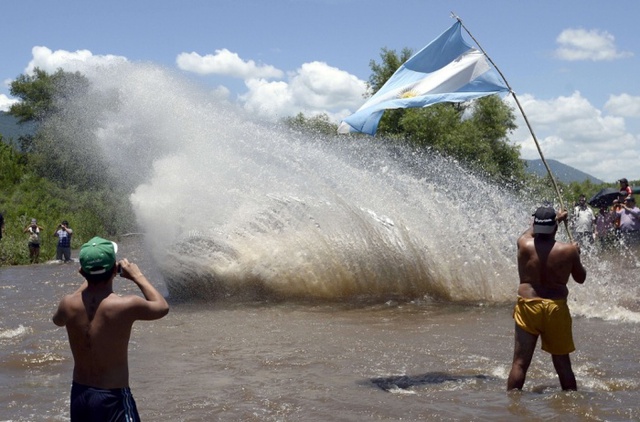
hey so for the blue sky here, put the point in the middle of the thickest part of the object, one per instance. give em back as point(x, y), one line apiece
point(573, 64)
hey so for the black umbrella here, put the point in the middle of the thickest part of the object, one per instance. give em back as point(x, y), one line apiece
point(604, 198)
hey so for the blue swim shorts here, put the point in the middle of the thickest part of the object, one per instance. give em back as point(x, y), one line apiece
point(99, 404)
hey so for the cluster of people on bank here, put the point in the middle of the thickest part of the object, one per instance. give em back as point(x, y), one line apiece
point(33, 230)
point(613, 225)
point(63, 233)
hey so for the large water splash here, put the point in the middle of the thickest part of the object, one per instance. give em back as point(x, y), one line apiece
point(235, 208)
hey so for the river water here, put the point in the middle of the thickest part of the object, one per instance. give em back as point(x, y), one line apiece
point(311, 278)
point(304, 361)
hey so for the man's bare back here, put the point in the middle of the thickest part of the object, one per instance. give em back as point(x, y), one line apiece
point(99, 325)
point(544, 265)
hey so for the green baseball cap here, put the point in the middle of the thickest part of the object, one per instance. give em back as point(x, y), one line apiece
point(98, 255)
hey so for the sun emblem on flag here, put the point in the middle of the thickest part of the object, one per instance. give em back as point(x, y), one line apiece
point(407, 93)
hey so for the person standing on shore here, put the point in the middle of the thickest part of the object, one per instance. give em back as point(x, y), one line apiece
point(98, 324)
point(63, 233)
point(34, 240)
point(544, 267)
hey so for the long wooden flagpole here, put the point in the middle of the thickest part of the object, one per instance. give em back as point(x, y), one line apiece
point(515, 97)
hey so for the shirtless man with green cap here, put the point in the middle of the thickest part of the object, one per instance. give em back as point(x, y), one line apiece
point(98, 323)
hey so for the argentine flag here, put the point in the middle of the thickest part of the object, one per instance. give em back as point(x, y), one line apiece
point(446, 70)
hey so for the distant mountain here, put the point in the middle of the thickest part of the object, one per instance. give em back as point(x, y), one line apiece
point(562, 172)
point(10, 128)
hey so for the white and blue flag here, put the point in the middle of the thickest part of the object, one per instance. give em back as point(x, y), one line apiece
point(446, 70)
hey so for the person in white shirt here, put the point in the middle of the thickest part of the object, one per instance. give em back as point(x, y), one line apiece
point(583, 223)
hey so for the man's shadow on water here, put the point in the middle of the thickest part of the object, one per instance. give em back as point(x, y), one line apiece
point(409, 381)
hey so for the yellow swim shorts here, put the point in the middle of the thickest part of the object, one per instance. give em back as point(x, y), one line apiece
point(548, 318)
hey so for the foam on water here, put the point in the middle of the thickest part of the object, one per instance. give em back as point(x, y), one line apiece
point(11, 333)
point(234, 208)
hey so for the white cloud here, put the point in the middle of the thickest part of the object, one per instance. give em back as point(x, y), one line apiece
point(573, 131)
point(581, 44)
point(319, 85)
point(623, 105)
point(5, 102)
point(224, 62)
point(71, 61)
point(270, 100)
point(312, 89)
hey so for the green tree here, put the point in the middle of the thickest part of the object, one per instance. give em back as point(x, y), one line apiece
point(390, 62)
point(41, 93)
point(44, 99)
point(494, 121)
point(36, 96)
